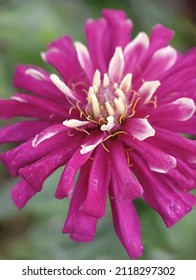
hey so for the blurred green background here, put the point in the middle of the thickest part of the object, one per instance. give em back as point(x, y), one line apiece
point(26, 27)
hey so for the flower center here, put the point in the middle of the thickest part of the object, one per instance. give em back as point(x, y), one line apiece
point(108, 102)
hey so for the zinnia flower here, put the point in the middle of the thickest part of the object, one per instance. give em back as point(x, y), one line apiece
point(117, 112)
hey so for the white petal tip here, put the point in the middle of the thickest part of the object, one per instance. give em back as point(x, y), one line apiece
point(109, 125)
point(74, 123)
point(35, 74)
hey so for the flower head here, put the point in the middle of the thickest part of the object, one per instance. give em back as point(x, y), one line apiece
point(116, 112)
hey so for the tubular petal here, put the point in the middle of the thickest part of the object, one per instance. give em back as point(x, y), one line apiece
point(78, 223)
point(21, 193)
point(43, 104)
point(26, 154)
point(159, 195)
point(36, 173)
point(66, 183)
point(157, 160)
point(22, 131)
point(179, 146)
point(94, 203)
point(183, 176)
point(128, 188)
point(43, 87)
point(126, 222)
point(14, 108)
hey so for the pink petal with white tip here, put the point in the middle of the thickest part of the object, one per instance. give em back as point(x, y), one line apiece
point(116, 66)
point(139, 128)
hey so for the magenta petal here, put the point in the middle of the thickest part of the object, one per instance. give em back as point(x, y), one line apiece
point(162, 60)
point(28, 153)
point(126, 222)
point(174, 82)
point(181, 109)
point(78, 223)
point(135, 52)
point(139, 128)
point(128, 188)
point(95, 32)
point(159, 195)
point(14, 108)
point(119, 28)
point(183, 176)
point(157, 160)
point(179, 146)
point(94, 203)
point(36, 173)
point(160, 37)
point(66, 183)
point(21, 193)
point(22, 131)
point(190, 199)
point(80, 237)
point(43, 104)
point(42, 86)
point(187, 127)
point(61, 54)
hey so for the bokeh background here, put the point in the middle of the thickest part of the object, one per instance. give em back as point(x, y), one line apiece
point(26, 27)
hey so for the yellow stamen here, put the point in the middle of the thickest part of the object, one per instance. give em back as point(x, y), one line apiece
point(114, 134)
point(104, 147)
